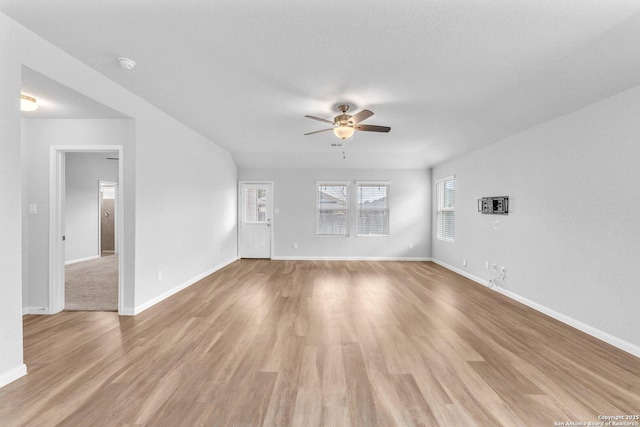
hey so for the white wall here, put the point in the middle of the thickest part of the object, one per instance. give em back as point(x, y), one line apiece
point(295, 197)
point(82, 202)
point(11, 365)
point(184, 185)
point(42, 134)
point(571, 240)
point(24, 165)
point(186, 210)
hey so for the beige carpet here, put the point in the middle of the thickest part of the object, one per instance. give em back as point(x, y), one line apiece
point(92, 285)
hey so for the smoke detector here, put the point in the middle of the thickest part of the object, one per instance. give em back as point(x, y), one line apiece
point(126, 63)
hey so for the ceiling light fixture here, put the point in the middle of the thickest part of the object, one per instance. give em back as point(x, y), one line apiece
point(28, 103)
point(126, 63)
point(345, 124)
point(343, 131)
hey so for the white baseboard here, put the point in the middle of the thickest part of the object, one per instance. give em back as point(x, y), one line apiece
point(462, 272)
point(75, 261)
point(142, 307)
point(12, 374)
point(128, 311)
point(35, 310)
point(347, 258)
point(588, 329)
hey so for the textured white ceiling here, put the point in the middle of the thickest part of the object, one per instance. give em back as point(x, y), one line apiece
point(448, 76)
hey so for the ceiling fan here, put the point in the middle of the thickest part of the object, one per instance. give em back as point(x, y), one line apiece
point(344, 125)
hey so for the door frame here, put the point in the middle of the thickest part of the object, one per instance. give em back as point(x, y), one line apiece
point(57, 219)
point(102, 184)
point(270, 213)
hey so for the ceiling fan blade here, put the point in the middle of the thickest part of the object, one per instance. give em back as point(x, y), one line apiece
point(319, 119)
point(318, 131)
point(361, 116)
point(372, 128)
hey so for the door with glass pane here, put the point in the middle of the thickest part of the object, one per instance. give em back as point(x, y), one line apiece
point(255, 220)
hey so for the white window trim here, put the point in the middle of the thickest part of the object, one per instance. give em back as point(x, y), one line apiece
point(347, 184)
point(438, 210)
point(388, 183)
point(373, 184)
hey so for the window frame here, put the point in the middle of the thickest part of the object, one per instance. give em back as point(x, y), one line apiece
point(387, 185)
point(440, 208)
point(346, 185)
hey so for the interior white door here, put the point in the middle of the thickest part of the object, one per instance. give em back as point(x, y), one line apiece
point(57, 231)
point(255, 220)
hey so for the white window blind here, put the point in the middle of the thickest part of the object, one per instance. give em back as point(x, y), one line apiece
point(446, 202)
point(372, 209)
point(333, 210)
point(255, 205)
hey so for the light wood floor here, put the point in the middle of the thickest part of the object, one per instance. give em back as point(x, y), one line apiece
point(282, 343)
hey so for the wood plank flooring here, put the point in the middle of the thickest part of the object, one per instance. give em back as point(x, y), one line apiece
point(311, 343)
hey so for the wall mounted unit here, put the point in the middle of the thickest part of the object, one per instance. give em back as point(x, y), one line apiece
point(494, 205)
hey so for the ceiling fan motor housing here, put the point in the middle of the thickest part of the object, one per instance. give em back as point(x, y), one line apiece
point(342, 120)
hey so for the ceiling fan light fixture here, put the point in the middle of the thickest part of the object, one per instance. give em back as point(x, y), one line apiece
point(28, 103)
point(344, 131)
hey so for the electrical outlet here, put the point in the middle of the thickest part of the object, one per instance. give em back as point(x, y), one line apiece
point(410, 245)
point(159, 274)
point(486, 265)
point(464, 262)
point(495, 267)
point(295, 246)
point(495, 225)
point(503, 270)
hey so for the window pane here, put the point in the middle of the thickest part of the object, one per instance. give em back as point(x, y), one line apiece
point(449, 193)
point(333, 210)
point(333, 222)
point(446, 195)
point(255, 205)
point(448, 224)
point(373, 210)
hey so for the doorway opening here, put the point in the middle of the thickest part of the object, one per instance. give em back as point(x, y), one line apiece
point(91, 267)
point(85, 184)
point(107, 218)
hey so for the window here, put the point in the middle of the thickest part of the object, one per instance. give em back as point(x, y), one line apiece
point(333, 209)
point(255, 205)
point(446, 202)
point(372, 209)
